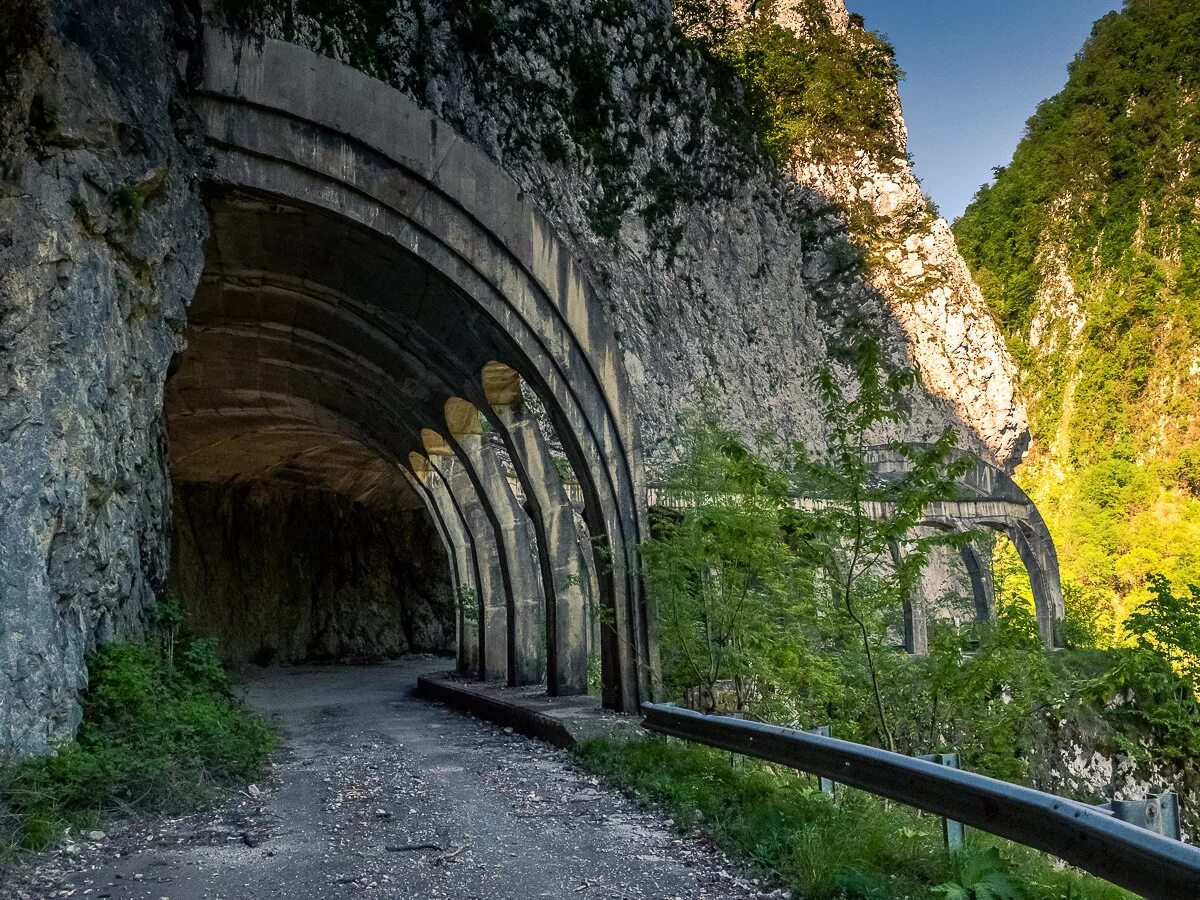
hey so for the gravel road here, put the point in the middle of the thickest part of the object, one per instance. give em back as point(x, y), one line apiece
point(379, 794)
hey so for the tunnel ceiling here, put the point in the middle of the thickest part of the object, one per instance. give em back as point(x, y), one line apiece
point(316, 354)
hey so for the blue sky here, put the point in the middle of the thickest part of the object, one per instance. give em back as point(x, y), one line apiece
point(976, 71)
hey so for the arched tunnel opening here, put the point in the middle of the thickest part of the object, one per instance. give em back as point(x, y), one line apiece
point(296, 535)
point(356, 475)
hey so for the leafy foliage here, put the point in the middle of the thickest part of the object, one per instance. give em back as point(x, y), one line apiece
point(791, 601)
point(1085, 247)
point(821, 92)
point(849, 846)
point(787, 610)
point(982, 877)
point(1155, 683)
point(725, 574)
point(155, 736)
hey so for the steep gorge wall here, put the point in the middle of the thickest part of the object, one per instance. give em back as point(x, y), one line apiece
point(101, 228)
point(716, 269)
point(281, 573)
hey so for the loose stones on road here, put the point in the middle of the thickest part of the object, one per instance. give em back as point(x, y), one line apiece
point(380, 795)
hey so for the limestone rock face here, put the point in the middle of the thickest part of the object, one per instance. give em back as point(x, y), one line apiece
point(952, 337)
point(280, 573)
point(100, 250)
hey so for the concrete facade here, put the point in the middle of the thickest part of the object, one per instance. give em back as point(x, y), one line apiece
point(376, 289)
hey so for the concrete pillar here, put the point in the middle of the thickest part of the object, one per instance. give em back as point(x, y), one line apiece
point(1041, 562)
point(983, 588)
point(916, 617)
point(517, 544)
point(493, 596)
point(463, 563)
point(564, 572)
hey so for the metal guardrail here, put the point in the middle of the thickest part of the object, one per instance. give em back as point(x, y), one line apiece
point(1132, 857)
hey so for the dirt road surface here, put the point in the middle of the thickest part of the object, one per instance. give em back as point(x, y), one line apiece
point(379, 794)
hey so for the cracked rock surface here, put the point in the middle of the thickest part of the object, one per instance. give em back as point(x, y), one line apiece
point(380, 794)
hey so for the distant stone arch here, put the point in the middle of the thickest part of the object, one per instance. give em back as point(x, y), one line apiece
point(988, 498)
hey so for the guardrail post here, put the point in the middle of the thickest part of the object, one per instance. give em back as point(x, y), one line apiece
point(826, 784)
point(1158, 813)
point(737, 761)
point(952, 832)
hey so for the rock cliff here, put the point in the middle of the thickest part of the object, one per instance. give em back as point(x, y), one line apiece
point(101, 229)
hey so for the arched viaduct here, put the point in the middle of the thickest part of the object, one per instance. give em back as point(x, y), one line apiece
point(378, 301)
point(987, 499)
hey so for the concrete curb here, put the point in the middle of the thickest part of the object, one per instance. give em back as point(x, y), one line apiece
point(561, 721)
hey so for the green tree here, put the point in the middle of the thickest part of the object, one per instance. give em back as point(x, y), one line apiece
point(724, 575)
point(868, 519)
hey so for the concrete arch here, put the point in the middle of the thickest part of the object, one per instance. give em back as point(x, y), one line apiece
point(448, 263)
point(990, 498)
point(523, 590)
point(564, 570)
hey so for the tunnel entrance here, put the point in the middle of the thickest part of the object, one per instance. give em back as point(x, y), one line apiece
point(384, 318)
point(292, 538)
point(281, 572)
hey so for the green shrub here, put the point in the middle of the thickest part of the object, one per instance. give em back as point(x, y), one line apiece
point(823, 91)
point(155, 737)
point(850, 846)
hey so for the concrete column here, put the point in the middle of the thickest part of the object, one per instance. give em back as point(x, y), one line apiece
point(517, 544)
point(1041, 562)
point(983, 588)
point(565, 576)
point(916, 617)
point(492, 601)
point(463, 566)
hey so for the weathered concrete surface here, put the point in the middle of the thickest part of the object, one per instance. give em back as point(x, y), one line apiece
point(529, 824)
point(564, 564)
point(283, 573)
point(100, 250)
point(562, 721)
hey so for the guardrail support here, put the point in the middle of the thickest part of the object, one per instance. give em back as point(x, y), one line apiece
point(1158, 813)
point(953, 832)
point(826, 784)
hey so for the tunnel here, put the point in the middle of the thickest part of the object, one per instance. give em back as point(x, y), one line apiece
point(296, 536)
point(401, 421)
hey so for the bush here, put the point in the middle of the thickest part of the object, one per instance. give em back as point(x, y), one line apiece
point(851, 846)
point(822, 92)
point(155, 737)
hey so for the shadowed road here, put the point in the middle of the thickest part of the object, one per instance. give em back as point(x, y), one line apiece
point(380, 794)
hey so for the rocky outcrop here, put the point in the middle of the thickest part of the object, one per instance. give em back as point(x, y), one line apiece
point(281, 573)
point(953, 339)
point(100, 249)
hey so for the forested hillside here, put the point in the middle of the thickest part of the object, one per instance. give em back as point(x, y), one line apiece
point(1087, 249)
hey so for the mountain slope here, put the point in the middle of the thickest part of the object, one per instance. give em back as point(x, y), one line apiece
point(1087, 248)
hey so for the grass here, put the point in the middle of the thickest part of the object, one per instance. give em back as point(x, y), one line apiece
point(853, 846)
point(161, 734)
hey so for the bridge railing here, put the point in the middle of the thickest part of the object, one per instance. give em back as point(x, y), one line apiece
point(1082, 835)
